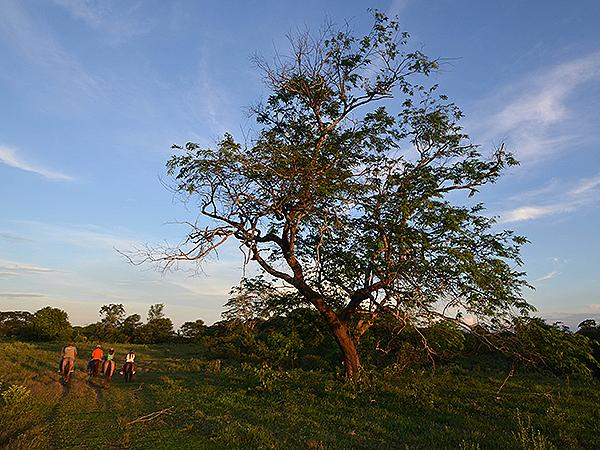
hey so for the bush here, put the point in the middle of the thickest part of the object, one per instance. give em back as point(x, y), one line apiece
point(552, 347)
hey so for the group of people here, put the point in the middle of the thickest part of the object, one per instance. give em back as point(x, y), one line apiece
point(70, 352)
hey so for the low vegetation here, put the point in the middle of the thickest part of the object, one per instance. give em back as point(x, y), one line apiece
point(184, 397)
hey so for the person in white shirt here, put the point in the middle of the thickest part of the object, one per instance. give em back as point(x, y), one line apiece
point(129, 358)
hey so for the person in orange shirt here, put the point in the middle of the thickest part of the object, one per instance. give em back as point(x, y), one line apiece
point(98, 354)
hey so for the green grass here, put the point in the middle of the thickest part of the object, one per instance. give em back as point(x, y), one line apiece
point(226, 405)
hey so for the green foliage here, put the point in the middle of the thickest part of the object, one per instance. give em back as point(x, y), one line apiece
point(344, 192)
point(227, 406)
point(15, 323)
point(530, 439)
point(130, 326)
point(267, 378)
point(50, 324)
point(15, 395)
point(156, 312)
point(111, 322)
point(552, 347)
point(155, 331)
point(285, 347)
point(192, 330)
point(590, 329)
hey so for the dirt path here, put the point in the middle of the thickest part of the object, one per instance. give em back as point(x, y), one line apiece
point(98, 389)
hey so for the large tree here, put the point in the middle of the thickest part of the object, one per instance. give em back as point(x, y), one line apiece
point(348, 190)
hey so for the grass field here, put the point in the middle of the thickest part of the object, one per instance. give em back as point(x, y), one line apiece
point(214, 404)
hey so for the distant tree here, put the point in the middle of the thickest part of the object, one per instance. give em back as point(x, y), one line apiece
point(353, 199)
point(587, 324)
point(15, 323)
point(157, 329)
point(591, 330)
point(51, 324)
point(92, 331)
point(156, 312)
point(192, 330)
point(130, 326)
point(111, 321)
point(79, 334)
point(112, 315)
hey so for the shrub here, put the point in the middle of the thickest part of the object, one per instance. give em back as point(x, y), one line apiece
point(15, 395)
point(552, 347)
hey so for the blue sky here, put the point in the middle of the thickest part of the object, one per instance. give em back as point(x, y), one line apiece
point(93, 94)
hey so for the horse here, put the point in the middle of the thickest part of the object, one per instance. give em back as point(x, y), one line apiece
point(128, 371)
point(66, 368)
point(94, 367)
point(109, 370)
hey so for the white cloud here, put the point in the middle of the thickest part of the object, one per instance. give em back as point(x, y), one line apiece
point(9, 157)
point(207, 100)
point(586, 185)
point(532, 212)
point(81, 235)
point(554, 199)
point(548, 276)
point(538, 115)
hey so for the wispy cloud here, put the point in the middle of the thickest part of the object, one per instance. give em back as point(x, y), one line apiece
point(538, 115)
point(9, 157)
point(81, 235)
point(118, 20)
point(10, 237)
point(17, 295)
point(208, 100)
point(15, 268)
point(397, 7)
point(36, 45)
point(555, 199)
point(548, 276)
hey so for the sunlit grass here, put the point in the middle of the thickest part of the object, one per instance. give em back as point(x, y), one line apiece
point(226, 405)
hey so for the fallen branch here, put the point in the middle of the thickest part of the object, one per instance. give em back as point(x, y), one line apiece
point(152, 416)
point(510, 374)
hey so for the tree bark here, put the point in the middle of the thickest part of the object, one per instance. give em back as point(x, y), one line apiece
point(349, 352)
point(344, 340)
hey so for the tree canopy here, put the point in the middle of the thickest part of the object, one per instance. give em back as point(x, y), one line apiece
point(347, 191)
point(51, 324)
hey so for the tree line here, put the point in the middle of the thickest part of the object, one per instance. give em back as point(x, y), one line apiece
point(52, 324)
point(279, 329)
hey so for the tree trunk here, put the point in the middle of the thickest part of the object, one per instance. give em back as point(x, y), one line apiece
point(349, 352)
point(339, 327)
point(345, 342)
